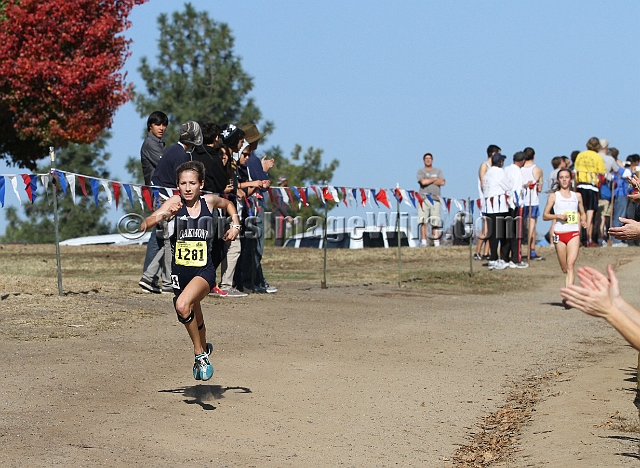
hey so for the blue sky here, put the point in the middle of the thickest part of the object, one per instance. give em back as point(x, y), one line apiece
point(377, 84)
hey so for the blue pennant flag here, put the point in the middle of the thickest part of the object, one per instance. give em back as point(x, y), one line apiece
point(2, 190)
point(61, 180)
point(95, 187)
point(128, 190)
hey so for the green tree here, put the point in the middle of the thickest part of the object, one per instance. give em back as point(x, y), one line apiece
point(198, 76)
point(80, 219)
point(303, 170)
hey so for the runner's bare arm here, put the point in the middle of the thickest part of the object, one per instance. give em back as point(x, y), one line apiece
point(169, 208)
point(546, 215)
point(583, 215)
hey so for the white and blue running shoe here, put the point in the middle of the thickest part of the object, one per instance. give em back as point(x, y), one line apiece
point(202, 368)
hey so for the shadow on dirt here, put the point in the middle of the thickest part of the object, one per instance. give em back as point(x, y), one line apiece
point(201, 394)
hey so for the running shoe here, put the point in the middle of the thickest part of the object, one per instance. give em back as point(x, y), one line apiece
point(216, 291)
point(209, 349)
point(202, 368)
point(232, 292)
point(149, 286)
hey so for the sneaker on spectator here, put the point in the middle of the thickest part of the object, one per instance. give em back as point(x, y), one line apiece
point(216, 291)
point(167, 290)
point(500, 265)
point(492, 264)
point(149, 286)
point(477, 256)
point(620, 244)
point(423, 243)
point(202, 368)
point(518, 265)
point(269, 289)
point(232, 292)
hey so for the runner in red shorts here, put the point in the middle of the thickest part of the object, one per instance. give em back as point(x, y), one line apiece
point(568, 212)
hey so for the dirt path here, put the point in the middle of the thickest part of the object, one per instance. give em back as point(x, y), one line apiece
point(349, 376)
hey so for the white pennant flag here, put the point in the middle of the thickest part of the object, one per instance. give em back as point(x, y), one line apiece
point(405, 197)
point(284, 195)
point(334, 193)
point(44, 180)
point(105, 184)
point(351, 198)
point(71, 181)
point(169, 192)
point(136, 188)
point(458, 204)
point(14, 184)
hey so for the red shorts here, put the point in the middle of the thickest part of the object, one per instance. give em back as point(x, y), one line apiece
point(564, 237)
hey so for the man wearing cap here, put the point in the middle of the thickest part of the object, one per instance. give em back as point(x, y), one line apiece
point(251, 276)
point(430, 180)
point(280, 215)
point(164, 175)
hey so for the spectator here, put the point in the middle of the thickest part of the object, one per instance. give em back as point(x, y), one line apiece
point(599, 296)
point(482, 250)
point(514, 229)
point(495, 187)
point(150, 153)
point(532, 178)
point(430, 180)
point(153, 146)
point(252, 276)
point(281, 215)
point(232, 144)
point(589, 167)
point(559, 162)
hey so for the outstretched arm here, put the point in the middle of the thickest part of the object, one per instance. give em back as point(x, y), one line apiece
point(599, 296)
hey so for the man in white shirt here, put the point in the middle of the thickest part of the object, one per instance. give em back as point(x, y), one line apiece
point(495, 187)
point(514, 230)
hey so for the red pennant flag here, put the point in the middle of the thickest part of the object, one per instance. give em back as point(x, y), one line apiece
point(479, 203)
point(272, 198)
point(326, 194)
point(176, 192)
point(363, 195)
point(146, 195)
point(381, 196)
point(464, 203)
point(449, 205)
point(116, 191)
point(344, 194)
point(419, 198)
point(303, 196)
point(29, 186)
point(398, 194)
point(83, 187)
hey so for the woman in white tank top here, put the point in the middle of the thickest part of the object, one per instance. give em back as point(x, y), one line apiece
point(568, 212)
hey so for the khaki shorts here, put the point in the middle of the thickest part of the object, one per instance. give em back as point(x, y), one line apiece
point(428, 213)
point(604, 207)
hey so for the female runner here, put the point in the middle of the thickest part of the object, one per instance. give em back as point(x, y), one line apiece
point(568, 210)
point(192, 271)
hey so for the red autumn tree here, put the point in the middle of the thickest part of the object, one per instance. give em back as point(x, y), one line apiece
point(59, 73)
